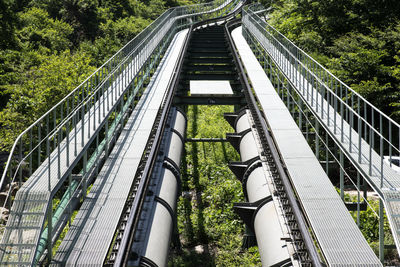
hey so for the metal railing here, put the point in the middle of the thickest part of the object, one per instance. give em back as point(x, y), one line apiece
point(360, 131)
point(78, 131)
point(365, 129)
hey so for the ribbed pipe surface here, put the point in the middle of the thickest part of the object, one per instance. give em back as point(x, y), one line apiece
point(158, 243)
point(267, 227)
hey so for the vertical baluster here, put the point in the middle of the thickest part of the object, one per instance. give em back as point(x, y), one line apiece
point(68, 129)
point(381, 146)
point(84, 176)
point(390, 143)
point(366, 121)
point(106, 145)
point(328, 104)
point(95, 108)
point(58, 133)
point(40, 142)
point(54, 126)
point(20, 161)
point(83, 125)
point(381, 231)
point(341, 182)
point(358, 199)
point(341, 114)
point(108, 94)
point(371, 142)
point(317, 139)
point(62, 116)
point(30, 151)
point(327, 154)
point(317, 85)
point(50, 230)
point(351, 124)
point(335, 108)
point(49, 161)
point(359, 130)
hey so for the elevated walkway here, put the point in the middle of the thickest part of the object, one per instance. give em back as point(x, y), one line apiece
point(340, 117)
point(91, 233)
point(338, 236)
point(32, 201)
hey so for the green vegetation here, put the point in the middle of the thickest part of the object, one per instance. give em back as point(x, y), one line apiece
point(205, 213)
point(357, 40)
point(369, 226)
point(48, 47)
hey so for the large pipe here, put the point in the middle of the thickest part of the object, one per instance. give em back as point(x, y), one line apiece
point(263, 217)
point(153, 249)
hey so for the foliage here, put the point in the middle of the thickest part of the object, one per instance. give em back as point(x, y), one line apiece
point(38, 29)
point(7, 26)
point(48, 83)
point(49, 46)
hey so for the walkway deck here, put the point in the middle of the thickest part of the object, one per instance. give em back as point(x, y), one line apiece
point(92, 231)
point(352, 145)
point(341, 241)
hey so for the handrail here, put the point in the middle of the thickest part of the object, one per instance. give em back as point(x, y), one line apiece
point(255, 6)
point(339, 99)
point(375, 128)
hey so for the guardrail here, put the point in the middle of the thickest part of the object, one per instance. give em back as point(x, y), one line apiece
point(335, 102)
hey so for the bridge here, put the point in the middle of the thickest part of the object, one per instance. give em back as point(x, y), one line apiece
point(111, 150)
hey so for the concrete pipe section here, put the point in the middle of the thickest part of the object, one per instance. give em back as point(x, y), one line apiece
point(259, 213)
point(156, 229)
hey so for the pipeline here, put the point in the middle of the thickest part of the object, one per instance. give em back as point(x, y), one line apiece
point(259, 213)
point(158, 219)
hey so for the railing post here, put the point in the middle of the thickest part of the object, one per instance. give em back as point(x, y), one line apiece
point(371, 133)
point(359, 130)
point(39, 149)
point(50, 230)
point(341, 159)
point(83, 125)
point(358, 199)
point(381, 232)
point(58, 154)
point(84, 176)
point(30, 151)
point(317, 139)
point(335, 108)
point(327, 154)
point(20, 161)
point(390, 143)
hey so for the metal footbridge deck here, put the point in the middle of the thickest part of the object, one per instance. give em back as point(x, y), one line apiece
point(103, 150)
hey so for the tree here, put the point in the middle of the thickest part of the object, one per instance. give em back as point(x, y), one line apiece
point(7, 26)
point(48, 84)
